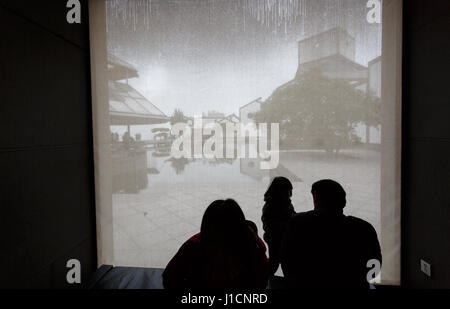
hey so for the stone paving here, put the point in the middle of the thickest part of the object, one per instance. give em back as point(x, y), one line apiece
point(151, 225)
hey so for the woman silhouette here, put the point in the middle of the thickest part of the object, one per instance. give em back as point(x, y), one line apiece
point(276, 213)
point(227, 253)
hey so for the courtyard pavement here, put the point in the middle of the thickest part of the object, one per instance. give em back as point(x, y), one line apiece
point(150, 226)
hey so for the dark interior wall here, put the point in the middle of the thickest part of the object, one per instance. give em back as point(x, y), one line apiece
point(426, 143)
point(46, 170)
point(46, 178)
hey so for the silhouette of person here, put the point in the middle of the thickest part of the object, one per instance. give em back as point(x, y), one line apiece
point(324, 247)
point(276, 213)
point(126, 140)
point(227, 253)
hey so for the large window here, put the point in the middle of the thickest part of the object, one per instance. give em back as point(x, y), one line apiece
point(198, 100)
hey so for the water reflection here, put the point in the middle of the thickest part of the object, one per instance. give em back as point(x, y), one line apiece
point(178, 164)
point(130, 170)
point(136, 168)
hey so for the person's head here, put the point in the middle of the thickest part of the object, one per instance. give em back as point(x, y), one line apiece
point(279, 189)
point(223, 224)
point(328, 194)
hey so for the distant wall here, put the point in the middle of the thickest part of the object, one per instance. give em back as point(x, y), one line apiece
point(426, 143)
point(46, 166)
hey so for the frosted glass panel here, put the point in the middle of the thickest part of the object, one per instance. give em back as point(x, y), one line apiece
point(310, 71)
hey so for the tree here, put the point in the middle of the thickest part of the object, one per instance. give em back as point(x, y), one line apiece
point(178, 116)
point(315, 111)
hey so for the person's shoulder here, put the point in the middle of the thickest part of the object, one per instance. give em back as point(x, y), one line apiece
point(360, 223)
point(195, 238)
point(194, 241)
point(301, 221)
point(300, 216)
point(304, 214)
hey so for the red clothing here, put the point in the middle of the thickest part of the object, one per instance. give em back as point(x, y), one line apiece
point(188, 269)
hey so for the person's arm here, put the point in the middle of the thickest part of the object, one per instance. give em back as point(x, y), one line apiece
point(287, 250)
point(370, 249)
point(374, 249)
point(261, 265)
point(252, 226)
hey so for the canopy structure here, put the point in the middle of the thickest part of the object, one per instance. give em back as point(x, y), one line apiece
point(129, 107)
point(126, 105)
point(119, 69)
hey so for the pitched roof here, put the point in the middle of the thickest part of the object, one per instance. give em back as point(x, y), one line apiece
point(127, 105)
point(119, 69)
